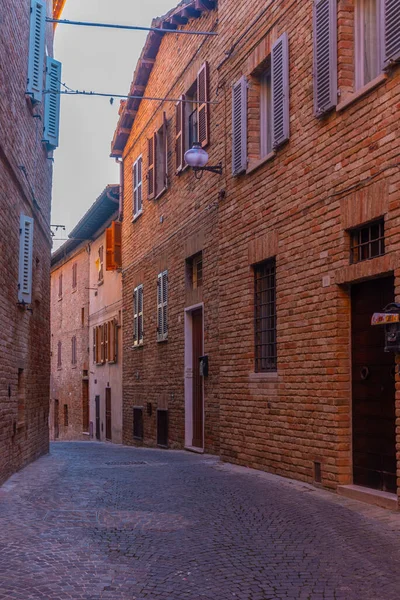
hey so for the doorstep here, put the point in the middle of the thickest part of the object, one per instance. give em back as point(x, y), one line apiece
point(376, 497)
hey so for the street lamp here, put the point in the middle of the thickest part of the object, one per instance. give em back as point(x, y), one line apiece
point(197, 158)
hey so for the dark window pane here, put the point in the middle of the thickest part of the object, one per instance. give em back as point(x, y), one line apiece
point(265, 317)
point(367, 242)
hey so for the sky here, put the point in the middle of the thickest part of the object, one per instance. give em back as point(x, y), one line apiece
point(100, 60)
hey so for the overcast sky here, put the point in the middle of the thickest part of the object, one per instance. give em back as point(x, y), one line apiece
point(98, 60)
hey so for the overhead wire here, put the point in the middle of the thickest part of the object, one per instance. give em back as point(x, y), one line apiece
point(129, 27)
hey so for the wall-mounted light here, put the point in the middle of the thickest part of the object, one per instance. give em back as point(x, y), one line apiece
point(197, 158)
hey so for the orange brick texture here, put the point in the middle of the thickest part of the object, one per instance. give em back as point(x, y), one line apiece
point(68, 321)
point(25, 334)
point(334, 173)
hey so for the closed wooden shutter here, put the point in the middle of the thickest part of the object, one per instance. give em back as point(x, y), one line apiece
point(239, 127)
point(52, 103)
point(162, 306)
point(325, 56)
point(36, 50)
point(110, 265)
point(203, 120)
point(135, 317)
point(140, 314)
point(105, 339)
point(151, 167)
point(280, 91)
point(390, 34)
point(116, 229)
point(180, 134)
point(94, 345)
point(25, 259)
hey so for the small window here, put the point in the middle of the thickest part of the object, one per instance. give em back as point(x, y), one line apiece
point(83, 316)
point(194, 271)
point(65, 415)
point(60, 286)
point(265, 316)
point(59, 363)
point(73, 349)
point(367, 41)
point(138, 432)
point(137, 188)
point(138, 335)
point(100, 264)
point(74, 276)
point(367, 242)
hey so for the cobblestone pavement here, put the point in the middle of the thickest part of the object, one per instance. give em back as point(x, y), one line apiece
point(96, 521)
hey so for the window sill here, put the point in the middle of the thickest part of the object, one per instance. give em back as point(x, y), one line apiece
point(59, 298)
point(20, 425)
point(256, 164)
point(73, 366)
point(350, 98)
point(100, 282)
point(183, 170)
point(137, 216)
point(74, 290)
point(160, 193)
point(270, 377)
point(137, 346)
point(162, 341)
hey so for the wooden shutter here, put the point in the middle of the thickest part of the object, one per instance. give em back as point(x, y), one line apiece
point(36, 50)
point(280, 91)
point(52, 103)
point(151, 168)
point(135, 317)
point(165, 305)
point(325, 56)
point(239, 127)
point(203, 120)
point(94, 345)
point(116, 229)
point(135, 185)
point(160, 327)
point(110, 266)
point(140, 314)
point(25, 259)
point(59, 354)
point(390, 31)
point(74, 275)
point(105, 339)
point(180, 134)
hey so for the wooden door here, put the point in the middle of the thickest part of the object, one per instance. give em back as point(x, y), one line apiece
point(56, 419)
point(97, 402)
point(373, 376)
point(108, 414)
point(197, 352)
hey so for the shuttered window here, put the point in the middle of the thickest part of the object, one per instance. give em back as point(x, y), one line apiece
point(25, 259)
point(368, 63)
point(60, 286)
point(137, 187)
point(157, 173)
point(151, 168)
point(100, 263)
point(325, 56)
point(266, 112)
point(390, 31)
point(112, 341)
point(74, 275)
point(162, 306)
point(138, 316)
point(180, 134)
point(59, 363)
point(52, 103)
point(280, 91)
point(203, 120)
point(73, 350)
point(114, 246)
point(94, 345)
point(36, 50)
point(239, 127)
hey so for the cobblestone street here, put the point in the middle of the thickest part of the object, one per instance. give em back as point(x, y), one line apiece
point(95, 521)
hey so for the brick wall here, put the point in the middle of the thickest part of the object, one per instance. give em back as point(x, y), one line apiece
point(69, 318)
point(333, 174)
point(25, 334)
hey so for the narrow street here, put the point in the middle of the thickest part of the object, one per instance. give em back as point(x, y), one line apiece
point(95, 521)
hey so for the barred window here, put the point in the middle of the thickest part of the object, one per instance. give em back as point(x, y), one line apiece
point(367, 242)
point(265, 316)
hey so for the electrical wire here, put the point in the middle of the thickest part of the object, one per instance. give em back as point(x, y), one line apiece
point(70, 92)
point(129, 27)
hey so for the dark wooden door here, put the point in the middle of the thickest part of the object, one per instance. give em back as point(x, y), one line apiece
point(197, 352)
point(97, 402)
point(374, 423)
point(108, 414)
point(56, 419)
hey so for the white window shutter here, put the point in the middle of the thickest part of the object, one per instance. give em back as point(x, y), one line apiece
point(165, 304)
point(390, 31)
point(25, 260)
point(36, 50)
point(135, 317)
point(239, 126)
point(140, 313)
point(280, 91)
point(325, 56)
point(52, 103)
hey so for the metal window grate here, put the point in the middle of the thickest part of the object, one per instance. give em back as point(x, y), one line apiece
point(367, 242)
point(265, 317)
point(138, 423)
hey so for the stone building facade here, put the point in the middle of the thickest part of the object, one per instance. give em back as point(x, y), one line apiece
point(85, 323)
point(25, 198)
point(299, 237)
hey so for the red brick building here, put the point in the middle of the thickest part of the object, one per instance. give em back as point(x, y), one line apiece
point(299, 238)
point(28, 135)
point(85, 315)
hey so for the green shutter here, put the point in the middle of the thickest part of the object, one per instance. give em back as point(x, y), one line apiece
point(52, 103)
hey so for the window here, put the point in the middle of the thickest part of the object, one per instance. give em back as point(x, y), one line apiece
point(367, 242)
point(74, 275)
point(265, 317)
point(83, 316)
point(100, 264)
point(73, 350)
point(137, 187)
point(138, 432)
point(105, 343)
point(95, 344)
point(367, 41)
point(60, 286)
point(112, 341)
point(25, 260)
point(266, 111)
point(162, 306)
point(21, 396)
point(59, 363)
point(138, 316)
point(192, 118)
point(157, 162)
point(65, 415)
point(194, 271)
point(114, 246)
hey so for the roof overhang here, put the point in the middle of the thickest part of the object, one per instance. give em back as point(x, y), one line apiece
point(58, 6)
point(179, 16)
